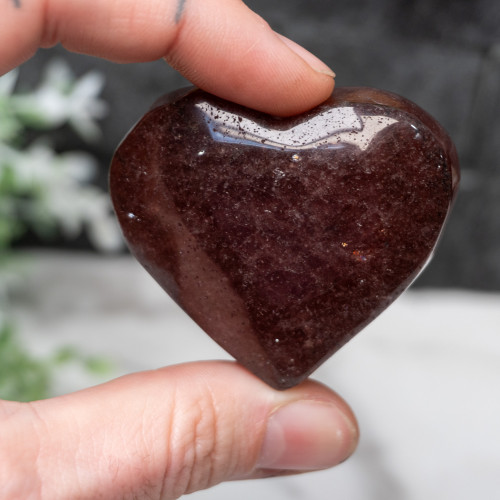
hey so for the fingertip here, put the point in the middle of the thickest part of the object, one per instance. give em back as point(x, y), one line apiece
point(318, 429)
point(314, 62)
point(307, 427)
point(320, 79)
point(238, 57)
point(307, 435)
point(304, 428)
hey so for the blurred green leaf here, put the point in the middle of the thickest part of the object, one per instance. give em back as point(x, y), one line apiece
point(99, 366)
point(22, 377)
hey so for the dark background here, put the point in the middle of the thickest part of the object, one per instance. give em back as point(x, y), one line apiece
point(442, 54)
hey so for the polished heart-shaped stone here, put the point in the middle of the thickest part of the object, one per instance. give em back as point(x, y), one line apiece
point(283, 238)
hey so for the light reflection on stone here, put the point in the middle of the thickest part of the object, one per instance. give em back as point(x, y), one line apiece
point(332, 128)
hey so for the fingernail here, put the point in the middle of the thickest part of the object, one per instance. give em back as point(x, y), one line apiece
point(315, 63)
point(307, 435)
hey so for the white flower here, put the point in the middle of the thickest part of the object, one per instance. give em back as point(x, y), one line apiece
point(61, 99)
point(61, 193)
point(46, 188)
point(85, 107)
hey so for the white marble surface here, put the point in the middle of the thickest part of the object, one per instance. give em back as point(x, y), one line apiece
point(423, 379)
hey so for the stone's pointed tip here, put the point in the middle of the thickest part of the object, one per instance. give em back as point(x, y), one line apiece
point(283, 238)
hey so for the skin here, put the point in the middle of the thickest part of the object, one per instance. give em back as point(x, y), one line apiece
point(219, 45)
point(163, 433)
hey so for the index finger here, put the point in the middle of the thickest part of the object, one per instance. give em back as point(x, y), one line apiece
point(219, 45)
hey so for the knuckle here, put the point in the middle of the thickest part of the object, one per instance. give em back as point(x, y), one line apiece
point(196, 454)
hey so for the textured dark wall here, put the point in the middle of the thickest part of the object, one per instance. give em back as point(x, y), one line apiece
point(442, 54)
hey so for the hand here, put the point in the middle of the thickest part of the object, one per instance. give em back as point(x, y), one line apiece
point(160, 434)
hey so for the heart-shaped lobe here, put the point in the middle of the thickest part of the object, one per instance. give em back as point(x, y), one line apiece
point(283, 238)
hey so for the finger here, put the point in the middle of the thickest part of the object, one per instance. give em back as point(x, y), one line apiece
point(220, 45)
point(228, 50)
point(165, 433)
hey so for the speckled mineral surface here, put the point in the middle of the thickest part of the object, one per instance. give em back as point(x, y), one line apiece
point(283, 238)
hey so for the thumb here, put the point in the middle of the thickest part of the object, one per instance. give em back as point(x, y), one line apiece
point(164, 433)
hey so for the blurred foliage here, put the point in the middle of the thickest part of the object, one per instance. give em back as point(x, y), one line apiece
point(24, 377)
point(41, 189)
point(46, 192)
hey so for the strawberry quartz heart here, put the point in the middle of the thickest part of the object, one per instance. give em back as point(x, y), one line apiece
point(283, 238)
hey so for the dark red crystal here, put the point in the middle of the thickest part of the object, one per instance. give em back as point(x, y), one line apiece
point(283, 238)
